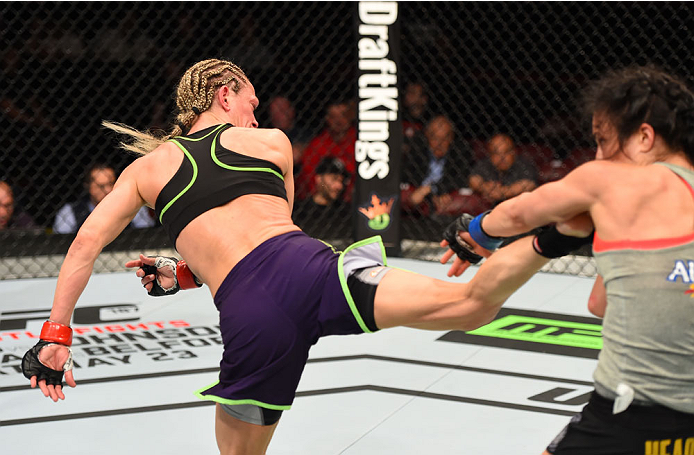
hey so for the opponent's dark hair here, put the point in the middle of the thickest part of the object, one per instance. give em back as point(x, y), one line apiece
point(634, 95)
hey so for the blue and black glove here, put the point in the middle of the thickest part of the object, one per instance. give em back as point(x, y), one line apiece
point(467, 223)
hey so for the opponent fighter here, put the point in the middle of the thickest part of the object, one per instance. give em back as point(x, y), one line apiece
point(639, 196)
point(223, 190)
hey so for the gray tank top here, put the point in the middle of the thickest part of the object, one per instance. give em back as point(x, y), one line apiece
point(648, 328)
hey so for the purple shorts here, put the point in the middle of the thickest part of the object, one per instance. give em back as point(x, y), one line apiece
point(274, 305)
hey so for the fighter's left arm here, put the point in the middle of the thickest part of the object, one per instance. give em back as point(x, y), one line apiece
point(552, 202)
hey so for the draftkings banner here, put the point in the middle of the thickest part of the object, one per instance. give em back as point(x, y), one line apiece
point(380, 136)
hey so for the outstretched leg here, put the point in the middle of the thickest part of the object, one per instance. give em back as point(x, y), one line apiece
point(236, 437)
point(414, 300)
point(409, 299)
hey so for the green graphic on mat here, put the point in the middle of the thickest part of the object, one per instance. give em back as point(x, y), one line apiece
point(547, 331)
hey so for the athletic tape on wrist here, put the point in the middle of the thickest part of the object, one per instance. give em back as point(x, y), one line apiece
point(69, 362)
point(163, 261)
point(480, 237)
point(186, 278)
point(56, 333)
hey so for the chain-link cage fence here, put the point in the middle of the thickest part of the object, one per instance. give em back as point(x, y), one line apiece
point(509, 76)
point(480, 84)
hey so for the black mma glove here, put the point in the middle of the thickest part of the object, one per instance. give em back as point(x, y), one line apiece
point(162, 261)
point(459, 246)
point(551, 243)
point(51, 333)
point(32, 366)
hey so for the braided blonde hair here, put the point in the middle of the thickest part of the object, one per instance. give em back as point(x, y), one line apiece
point(194, 96)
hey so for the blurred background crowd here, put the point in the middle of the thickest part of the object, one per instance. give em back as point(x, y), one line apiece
point(489, 98)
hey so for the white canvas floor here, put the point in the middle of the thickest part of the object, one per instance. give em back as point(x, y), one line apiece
point(399, 391)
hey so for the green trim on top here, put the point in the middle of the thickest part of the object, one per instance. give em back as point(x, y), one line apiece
point(343, 279)
point(192, 180)
point(234, 168)
point(201, 138)
point(220, 400)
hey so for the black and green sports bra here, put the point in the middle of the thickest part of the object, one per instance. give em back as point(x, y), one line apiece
point(209, 176)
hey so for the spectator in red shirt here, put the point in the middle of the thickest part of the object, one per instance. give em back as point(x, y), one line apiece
point(336, 140)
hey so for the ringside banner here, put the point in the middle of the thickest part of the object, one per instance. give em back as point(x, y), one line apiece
point(379, 138)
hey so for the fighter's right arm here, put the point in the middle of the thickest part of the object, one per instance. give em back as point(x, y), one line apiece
point(597, 302)
point(109, 218)
point(45, 363)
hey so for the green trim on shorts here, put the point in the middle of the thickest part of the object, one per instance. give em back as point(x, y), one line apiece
point(192, 180)
point(220, 400)
point(329, 246)
point(343, 278)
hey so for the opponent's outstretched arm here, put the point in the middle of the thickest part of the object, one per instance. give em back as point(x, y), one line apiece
point(567, 203)
point(509, 268)
point(553, 202)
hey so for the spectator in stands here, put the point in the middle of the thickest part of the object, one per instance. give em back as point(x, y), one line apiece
point(325, 215)
point(98, 182)
point(502, 174)
point(283, 117)
point(9, 218)
point(415, 113)
point(336, 140)
point(433, 170)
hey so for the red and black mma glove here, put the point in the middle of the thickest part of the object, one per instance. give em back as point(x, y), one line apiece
point(551, 243)
point(182, 275)
point(472, 225)
point(51, 333)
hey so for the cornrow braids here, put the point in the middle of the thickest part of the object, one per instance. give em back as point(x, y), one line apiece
point(197, 87)
point(645, 94)
point(194, 96)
